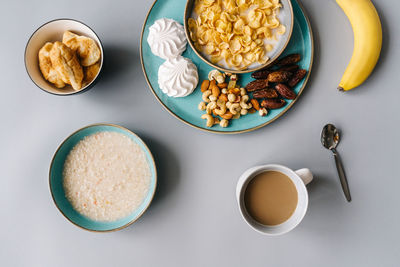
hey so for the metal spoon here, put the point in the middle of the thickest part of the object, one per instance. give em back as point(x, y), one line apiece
point(330, 139)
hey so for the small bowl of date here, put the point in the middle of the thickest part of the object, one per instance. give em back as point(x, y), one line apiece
point(238, 36)
point(64, 57)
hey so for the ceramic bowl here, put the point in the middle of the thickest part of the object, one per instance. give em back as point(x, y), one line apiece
point(50, 32)
point(56, 180)
point(286, 18)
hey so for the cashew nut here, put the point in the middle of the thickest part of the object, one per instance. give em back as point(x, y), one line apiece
point(209, 118)
point(210, 107)
point(231, 97)
point(243, 111)
point(245, 106)
point(243, 103)
point(216, 121)
point(235, 108)
point(220, 79)
point(224, 123)
point(224, 91)
point(243, 92)
point(236, 116)
point(228, 104)
point(263, 112)
point(205, 96)
point(213, 98)
point(221, 110)
point(216, 75)
point(202, 106)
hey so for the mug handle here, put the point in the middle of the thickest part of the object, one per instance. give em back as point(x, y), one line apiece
point(305, 175)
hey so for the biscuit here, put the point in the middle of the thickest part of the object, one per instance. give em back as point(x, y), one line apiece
point(48, 72)
point(86, 48)
point(90, 73)
point(66, 63)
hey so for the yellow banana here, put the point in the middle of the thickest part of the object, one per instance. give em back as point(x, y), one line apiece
point(367, 32)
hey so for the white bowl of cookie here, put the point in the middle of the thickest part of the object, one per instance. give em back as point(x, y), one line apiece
point(64, 57)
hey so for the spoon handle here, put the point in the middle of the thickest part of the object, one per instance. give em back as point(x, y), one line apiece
point(342, 175)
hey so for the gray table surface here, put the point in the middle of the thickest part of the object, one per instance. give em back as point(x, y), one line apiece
point(194, 220)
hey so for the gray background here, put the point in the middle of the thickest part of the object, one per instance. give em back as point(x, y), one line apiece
point(194, 220)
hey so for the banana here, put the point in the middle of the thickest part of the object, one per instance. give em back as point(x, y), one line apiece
point(367, 32)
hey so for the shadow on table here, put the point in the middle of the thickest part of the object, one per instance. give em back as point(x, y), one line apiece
point(120, 78)
point(328, 211)
point(119, 60)
point(168, 173)
point(120, 65)
point(321, 189)
point(167, 170)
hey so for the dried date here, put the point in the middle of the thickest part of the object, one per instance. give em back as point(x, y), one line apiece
point(285, 91)
point(266, 93)
point(273, 103)
point(260, 74)
point(279, 76)
point(297, 77)
point(289, 59)
point(257, 85)
point(290, 68)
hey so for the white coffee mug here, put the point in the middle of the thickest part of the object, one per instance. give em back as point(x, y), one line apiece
point(300, 178)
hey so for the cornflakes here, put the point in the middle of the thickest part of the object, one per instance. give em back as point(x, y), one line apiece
point(234, 31)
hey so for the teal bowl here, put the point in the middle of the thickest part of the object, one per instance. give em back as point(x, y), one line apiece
point(56, 180)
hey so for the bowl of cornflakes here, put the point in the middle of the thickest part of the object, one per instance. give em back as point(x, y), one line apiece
point(238, 36)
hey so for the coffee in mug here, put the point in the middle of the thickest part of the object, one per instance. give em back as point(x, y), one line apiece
point(271, 198)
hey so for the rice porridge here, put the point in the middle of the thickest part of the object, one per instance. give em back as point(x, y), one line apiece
point(106, 176)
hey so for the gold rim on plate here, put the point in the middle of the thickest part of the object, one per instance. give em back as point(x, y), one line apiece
point(230, 132)
point(155, 177)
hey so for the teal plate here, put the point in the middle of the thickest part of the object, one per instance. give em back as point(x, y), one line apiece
point(185, 108)
point(56, 180)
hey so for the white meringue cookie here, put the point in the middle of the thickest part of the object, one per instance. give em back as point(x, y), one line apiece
point(167, 38)
point(178, 77)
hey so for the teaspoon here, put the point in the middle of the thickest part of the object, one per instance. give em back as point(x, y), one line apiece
point(330, 139)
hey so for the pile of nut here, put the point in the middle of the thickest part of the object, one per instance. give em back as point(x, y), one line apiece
point(223, 101)
point(273, 85)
